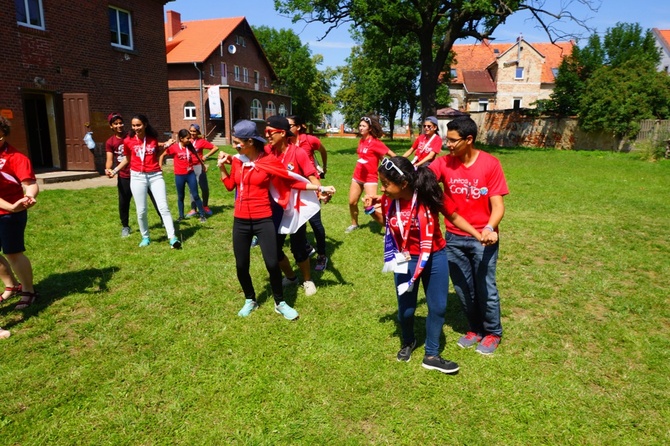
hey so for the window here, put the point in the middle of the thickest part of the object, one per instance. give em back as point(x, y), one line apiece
point(496, 51)
point(483, 104)
point(189, 110)
point(519, 73)
point(257, 77)
point(271, 110)
point(245, 75)
point(453, 73)
point(256, 109)
point(29, 13)
point(516, 103)
point(237, 73)
point(211, 70)
point(224, 73)
point(282, 110)
point(240, 41)
point(265, 80)
point(554, 71)
point(120, 28)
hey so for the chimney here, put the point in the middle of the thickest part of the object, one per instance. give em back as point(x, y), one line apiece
point(173, 24)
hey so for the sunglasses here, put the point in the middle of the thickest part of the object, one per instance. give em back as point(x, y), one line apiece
point(388, 165)
point(270, 132)
point(428, 127)
point(366, 119)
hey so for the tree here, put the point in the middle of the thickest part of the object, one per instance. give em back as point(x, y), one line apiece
point(434, 24)
point(297, 73)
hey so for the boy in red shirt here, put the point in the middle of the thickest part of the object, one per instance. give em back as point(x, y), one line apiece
point(474, 180)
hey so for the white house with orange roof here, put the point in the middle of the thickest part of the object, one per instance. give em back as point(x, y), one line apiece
point(218, 74)
point(662, 37)
point(501, 76)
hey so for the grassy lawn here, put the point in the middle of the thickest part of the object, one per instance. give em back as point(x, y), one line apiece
point(134, 346)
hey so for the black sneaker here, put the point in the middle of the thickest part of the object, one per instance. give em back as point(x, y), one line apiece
point(439, 364)
point(405, 353)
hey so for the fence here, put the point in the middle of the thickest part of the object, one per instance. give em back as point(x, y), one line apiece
point(653, 129)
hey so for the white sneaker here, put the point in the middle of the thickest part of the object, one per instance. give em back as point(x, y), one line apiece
point(350, 229)
point(310, 288)
point(4, 334)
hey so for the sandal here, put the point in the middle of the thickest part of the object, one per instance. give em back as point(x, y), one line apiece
point(13, 289)
point(27, 299)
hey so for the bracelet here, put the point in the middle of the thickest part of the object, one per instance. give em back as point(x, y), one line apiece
point(490, 228)
point(322, 189)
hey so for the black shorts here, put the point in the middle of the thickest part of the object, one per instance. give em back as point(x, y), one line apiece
point(12, 230)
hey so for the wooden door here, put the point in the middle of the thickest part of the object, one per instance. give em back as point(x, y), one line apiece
point(75, 112)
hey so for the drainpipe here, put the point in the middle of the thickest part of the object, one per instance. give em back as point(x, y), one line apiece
point(202, 110)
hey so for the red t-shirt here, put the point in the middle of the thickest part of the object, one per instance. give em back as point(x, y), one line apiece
point(471, 187)
point(370, 152)
point(295, 160)
point(424, 145)
point(413, 244)
point(183, 158)
point(309, 143)
point(252, 200)
point(200, 145)
point(15, 168)
point(142, 153)
point(114, 145)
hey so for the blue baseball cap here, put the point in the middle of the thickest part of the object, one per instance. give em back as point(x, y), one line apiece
point(246, 129)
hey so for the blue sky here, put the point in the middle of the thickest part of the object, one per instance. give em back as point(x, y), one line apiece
point(335, 48)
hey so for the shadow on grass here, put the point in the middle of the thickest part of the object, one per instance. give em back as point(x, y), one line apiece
point(58, 286)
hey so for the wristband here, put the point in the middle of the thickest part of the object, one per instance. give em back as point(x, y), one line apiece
point(490, 228)
point(322, 189)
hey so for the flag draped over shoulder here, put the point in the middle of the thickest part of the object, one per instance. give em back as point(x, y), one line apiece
point(299, 205)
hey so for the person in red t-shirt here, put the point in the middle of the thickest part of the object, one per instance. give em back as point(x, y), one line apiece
point(200, 168)
point(296, 160)
point(311, 144)
point(115, 154)
point(185, 157)
point(474, 180)
point(414, 250)
point(428, 145)
point(253, 172)
point(142, 149)
point(370, 152)
point(18, 191)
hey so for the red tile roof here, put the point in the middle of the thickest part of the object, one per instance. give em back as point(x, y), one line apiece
point(479, 56)
point(478, 82)
point(664, 36)
point(197, 39)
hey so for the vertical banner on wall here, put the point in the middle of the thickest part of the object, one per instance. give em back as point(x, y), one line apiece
point(214, 101)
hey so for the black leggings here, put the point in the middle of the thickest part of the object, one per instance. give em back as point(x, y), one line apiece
point(243, 232)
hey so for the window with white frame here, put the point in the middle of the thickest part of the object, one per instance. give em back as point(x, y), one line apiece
point(120, 27)
point(483, 104)
point(30, 13)
point(271, 110)
point(453, 74)
point(265, 80)
point(282, 110)
point(224, 73)
point(237, 73)
point(256, 109)
point(519, 73)
point(257, 77)
point(245, 75)
point(211, 70)
point(240, 40)
point(189, 110)
point(516, 103)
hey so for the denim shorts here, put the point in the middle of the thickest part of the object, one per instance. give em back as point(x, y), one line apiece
point(12, 230)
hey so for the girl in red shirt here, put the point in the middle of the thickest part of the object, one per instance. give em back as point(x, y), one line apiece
point(253, 172)
point(416, 250)
point(185, 158)
point(200, 168)
point(370, 151)
point(428, 145)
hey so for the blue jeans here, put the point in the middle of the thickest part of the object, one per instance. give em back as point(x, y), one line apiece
point(181, 181)
point(435, 280)
point(472, 268)
point(201, 177)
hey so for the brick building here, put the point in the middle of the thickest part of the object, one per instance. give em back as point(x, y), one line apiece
point(63, 69)
point(218, 60)
point(502, 76)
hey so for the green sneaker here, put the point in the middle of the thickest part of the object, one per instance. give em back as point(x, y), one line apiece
point(249, 306)
point(145, 242)
point(286, 311)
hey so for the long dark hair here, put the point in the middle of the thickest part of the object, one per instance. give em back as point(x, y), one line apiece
point(422, 180)
point(297, 120)
point(375, 126)
point(148, 130)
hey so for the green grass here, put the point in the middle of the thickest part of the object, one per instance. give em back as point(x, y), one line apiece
point(134, 346)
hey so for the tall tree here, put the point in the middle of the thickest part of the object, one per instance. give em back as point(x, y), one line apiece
point(297, 72)
point(435, 24)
